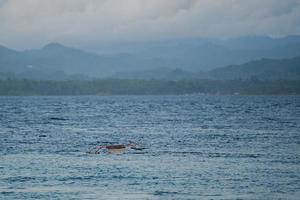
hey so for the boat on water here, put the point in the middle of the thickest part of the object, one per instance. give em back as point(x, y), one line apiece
point(115, 148)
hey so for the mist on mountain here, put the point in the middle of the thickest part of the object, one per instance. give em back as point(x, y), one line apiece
point(166, 59)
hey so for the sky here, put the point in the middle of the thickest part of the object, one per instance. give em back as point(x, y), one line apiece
point(34, 23)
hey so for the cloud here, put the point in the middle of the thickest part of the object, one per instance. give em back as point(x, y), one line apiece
point(32, 23)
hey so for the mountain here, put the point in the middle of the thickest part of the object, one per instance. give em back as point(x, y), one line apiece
point(263, 69)
point(56, 60)
point(199, 55)
point(56, 57)
point(183, 58)
point(7, 57)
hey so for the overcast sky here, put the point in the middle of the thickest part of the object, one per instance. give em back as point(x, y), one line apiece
point(33, 23)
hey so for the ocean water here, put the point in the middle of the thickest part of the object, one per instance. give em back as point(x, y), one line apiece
point(196, 147)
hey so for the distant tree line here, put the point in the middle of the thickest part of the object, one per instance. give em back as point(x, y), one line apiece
point(146, 87)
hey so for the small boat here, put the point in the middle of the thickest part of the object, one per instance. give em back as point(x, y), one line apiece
point(116, 148)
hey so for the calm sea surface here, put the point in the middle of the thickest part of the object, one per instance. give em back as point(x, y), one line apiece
point(197, 147)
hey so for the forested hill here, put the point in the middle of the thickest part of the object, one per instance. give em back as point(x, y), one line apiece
point(150, 87)
point(263, 69)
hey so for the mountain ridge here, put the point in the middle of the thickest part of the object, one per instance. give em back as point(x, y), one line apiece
point(262, 69)
point(190, 56)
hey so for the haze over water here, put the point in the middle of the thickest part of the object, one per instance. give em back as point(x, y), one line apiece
point(197, 147)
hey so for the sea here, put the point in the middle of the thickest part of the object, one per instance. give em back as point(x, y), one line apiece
point(193, 147)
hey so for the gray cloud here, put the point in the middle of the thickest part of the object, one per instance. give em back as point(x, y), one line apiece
point(32, 23)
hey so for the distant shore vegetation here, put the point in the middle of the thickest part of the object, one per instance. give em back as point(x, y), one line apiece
point(14, 87)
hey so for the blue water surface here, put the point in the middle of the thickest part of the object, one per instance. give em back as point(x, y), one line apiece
point(197, 147)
